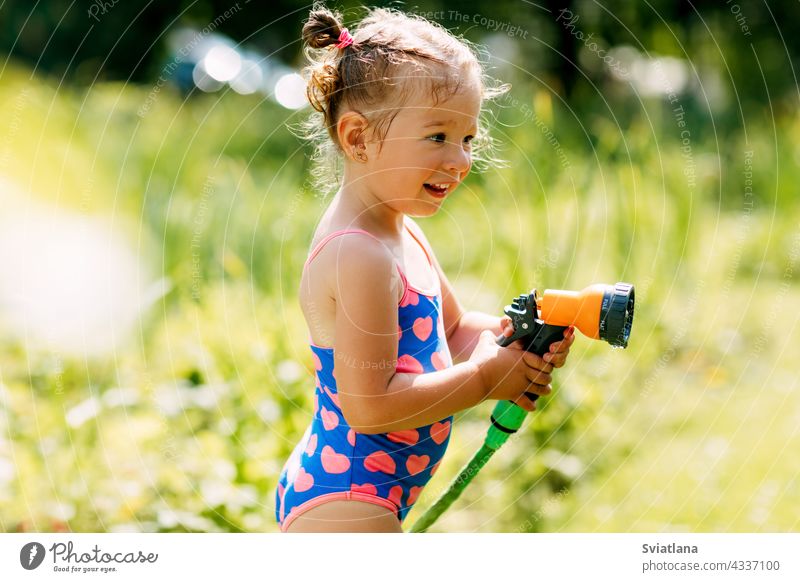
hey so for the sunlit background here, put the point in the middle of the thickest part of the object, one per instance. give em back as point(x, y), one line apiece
point(156, 210)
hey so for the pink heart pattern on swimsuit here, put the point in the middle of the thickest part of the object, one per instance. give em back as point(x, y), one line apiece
point(334, 462)
point(417, 463)
point(367, 488)
point(423, 326)
point(440, 431)
point(330, 420)
point(407, 437)
point(396, 495)
point(303, 481)
point(380, 461)
point(312, 445)
point(408, 364)
point(411, 298)
point(413, 494)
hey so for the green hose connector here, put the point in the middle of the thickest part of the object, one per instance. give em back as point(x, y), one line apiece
point(507, 418)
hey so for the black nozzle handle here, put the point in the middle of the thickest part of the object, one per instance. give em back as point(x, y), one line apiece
point(538, 341)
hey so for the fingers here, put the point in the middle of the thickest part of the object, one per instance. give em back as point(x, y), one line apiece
point(559, 346)
point(540, 389)
point(525, 403)
point(535, 362)
point(556, 360)
point(559, 350)
point(539, 380)
point(562, 345)
point(539, 369)
point(558, 354)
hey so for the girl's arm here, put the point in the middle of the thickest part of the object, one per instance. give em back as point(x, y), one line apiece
point(373, 396)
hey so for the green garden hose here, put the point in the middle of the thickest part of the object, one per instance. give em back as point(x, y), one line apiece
point(507, 418)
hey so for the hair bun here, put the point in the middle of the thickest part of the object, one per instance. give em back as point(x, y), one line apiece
point(322, 28)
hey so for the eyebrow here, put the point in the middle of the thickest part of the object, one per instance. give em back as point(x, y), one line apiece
point(437, 124)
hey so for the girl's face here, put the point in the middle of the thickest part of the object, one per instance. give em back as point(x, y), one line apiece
point(426, 153)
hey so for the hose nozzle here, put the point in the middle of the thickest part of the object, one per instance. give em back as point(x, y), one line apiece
point(599, 311)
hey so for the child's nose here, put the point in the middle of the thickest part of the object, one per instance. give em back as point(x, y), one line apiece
point(459, 160)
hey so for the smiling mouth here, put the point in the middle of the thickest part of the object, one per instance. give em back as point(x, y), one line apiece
point(437, 190)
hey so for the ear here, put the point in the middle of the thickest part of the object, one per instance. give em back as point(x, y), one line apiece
point(350, 129)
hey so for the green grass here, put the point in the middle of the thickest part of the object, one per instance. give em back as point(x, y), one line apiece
point(690, 429)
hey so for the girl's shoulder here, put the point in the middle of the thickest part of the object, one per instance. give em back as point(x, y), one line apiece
point(340, 257)
point(345, 243)
point(342, 239)
point(352, 272)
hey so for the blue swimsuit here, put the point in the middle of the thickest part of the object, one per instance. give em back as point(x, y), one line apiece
point(332, 461)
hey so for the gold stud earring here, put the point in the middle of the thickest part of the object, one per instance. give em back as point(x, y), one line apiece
point(359, 153)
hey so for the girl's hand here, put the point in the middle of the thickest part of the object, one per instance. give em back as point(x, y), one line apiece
point(506, 326)
point(508, 373)
point(507, 329)
point(560, 350)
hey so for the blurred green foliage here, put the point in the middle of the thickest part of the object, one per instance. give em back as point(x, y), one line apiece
point(94, 41)
point(185, 426)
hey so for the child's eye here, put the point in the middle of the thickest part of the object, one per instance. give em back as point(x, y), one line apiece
point(438, 138)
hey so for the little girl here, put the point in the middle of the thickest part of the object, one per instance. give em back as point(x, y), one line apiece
point(400, 99)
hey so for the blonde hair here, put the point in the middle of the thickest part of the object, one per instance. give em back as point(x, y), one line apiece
point(372, 75)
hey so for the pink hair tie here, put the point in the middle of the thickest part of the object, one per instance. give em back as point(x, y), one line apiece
point(345, 39)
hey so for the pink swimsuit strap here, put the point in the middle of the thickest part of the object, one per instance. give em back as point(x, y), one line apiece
point(333, 235)
point(318, 248)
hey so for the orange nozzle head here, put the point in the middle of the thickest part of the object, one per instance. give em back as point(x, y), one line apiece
point(598, 311)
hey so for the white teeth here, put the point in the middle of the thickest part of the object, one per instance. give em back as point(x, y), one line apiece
point(441, 189)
